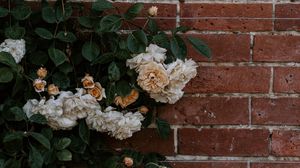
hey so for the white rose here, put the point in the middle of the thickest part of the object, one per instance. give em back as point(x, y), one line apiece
point(15, 47)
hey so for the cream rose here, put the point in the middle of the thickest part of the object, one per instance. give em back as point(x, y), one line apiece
point(98, 92)
point(42, 73)
point(88, 82)
point(127, 100)
point(53, 90)
point(152, 77)
point(39, 85)
point(152, 11)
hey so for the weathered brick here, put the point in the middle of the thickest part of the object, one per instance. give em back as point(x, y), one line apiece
point(286, 143)
point(276, 111)
point(276, 48)
point(223, 142)
point(287, 11)
point(208, 110)
point(241, 16)
point(230, 80)
point(146, 140)
point(209, 164)
point(224, 47)
point(286, 80)
point(275, 165)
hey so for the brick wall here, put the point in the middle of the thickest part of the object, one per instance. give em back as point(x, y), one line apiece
point(243, 108)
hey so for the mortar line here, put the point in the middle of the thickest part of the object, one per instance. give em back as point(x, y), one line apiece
point(249, 64)
point(178, 14)
point(273, 15)
point(248, 164)
point(245, 95)
point(175, 140)
point(271, 87)
point(250, 110)
point(251, 46)
point(270, 141)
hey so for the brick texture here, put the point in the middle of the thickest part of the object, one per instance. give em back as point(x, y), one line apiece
point(275, 165)
point(276, 111)
point(286, 80)
point(203, 111)
point(208, 165)
point(287, 48)
point(230, 80)
point(286, 143)
point(287, 11)
point(223, 142)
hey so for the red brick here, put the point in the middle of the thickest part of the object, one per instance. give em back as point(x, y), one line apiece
point(275, 165)
point(209, 164)
point(224, 47)
point(286, 143)
point(276, 111)
point(146, 140)
point(230, 80)
point(276, 48)
point(163, 24)
point(287, 11)
point(241, 16)
point(286, 80)
point(208, 110)
point(223, 142)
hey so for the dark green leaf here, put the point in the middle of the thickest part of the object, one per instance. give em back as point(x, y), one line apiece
point(123, 88)
point(178, 47)
point(113, 72)
point(47, 132)
point(7, 59)
point(61, 80)
point(64, 155)
point(104, 58)
point(15, 32)
point(38, 58)
point(133, 11)
point(64, 14)
point(68, 37)
point(38, 118)
point(35, 158)
point(6, 75)
point(21, 12)
point(44, 33)
point(12, 163)
point(49, 156)
point(90, 50)
point(123, 55)
point(182, 29)
point(77, 145)
point(86, 21)
point(162, 40)
point(18, 84)
point(65, 68)
point(41, 139)
point(112, 162)
point(152, 26)
point(48, 14)
point(101, 5)
point(84, 132)
point(18, 135)
point(110, 93)
point(18, 114)
point(110, 23)
point(163, 128)
point(200, 46)
point(57, 56)
point(137, 41)
point(62, 143)
point(3, 12)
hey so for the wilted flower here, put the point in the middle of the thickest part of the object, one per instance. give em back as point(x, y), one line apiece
point(152, 77)
point(127, 100)
point(42, 73)
point(97, 91)
point(152, 11)
point(143, 109)
point(128, 161)
point(88, 81)
point(39, 85)
point(53, 90)
point(15, 47)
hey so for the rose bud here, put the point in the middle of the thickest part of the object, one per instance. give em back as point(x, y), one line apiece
point(128, 161)
point(88, 82)
point(53, 90)
point(152, 11)
point(143, 109)
point(127, 100)
point(39, 85)
point(42, 73)
point(98, 92)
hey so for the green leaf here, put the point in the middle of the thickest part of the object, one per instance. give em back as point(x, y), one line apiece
point(112, 162)
point(38, 118)
point(101, 5)
point(35, 158)
point(44, 33)
point(163, 128)
point(84, 132)
point(3, 12)
point(18, 114)
point(57, 56)
point(182, 29)
point(66, 68)
point(86, 21)
point(200, 46)
point(104, 58)
point(68, 37)
point(38, 58)
point(152, 26)
point(8, 59)
point(77, 145)
point(15, 32)
point(123, 88)
point(178, 47)
point(64, 14)
point(12, 163)
point(62, 143)
point(113, 72)
point(6, 75)
point(110, 92)
point(110, 23)
point(61, 80)
point(133, 11)
point(90, 50)
point(49, 156)
point(47, 132)
point(162, 40)
point(48, 14)
point(41, 139)
point(21, 12)
point(18, 85)
point(64, 155)
point(18, 135)
point(137, 41)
